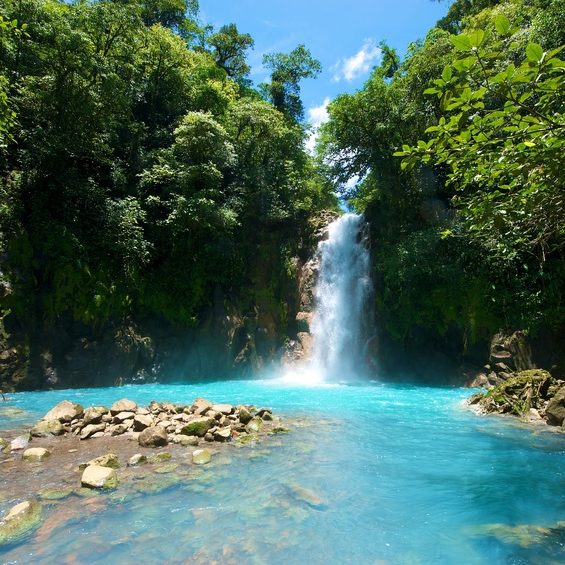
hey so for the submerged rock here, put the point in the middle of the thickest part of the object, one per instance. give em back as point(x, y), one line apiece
point(201, 456)
point(36, 454)
point(21, 520)
point(306, 496)
point(96, 476)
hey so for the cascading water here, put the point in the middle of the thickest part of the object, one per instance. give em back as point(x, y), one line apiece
point(342, 292)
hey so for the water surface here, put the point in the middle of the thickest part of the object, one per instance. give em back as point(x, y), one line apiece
point(369, 474)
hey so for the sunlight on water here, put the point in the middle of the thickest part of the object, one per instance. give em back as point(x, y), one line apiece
point(369, 474)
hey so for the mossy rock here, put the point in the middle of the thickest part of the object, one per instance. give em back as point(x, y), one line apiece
point(525, 390)
point(160, 457)
point(198, 427)
point(55, 494)
point(20, 521)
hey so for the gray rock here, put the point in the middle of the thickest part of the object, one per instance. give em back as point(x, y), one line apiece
point(137, 459)
point(155, 436)
point(91, 429)
point(20, 442)
point(200, 406)
point(36, 454)
point(123, 405)
point(223, 434)
point(46, 428)
point(94, 414)
point(142, 421)
point(65, 411)
point(223, 408)
point(96, 476)
point(122, 416)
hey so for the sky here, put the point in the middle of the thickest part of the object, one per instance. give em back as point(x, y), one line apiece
point(342, 34)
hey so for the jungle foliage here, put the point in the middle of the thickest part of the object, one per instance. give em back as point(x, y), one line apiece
point(460, 157)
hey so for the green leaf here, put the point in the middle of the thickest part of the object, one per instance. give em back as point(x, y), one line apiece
point(502, 24)
point(534, 52)
point(476, 38)
point(447, 73)
point(461, 42)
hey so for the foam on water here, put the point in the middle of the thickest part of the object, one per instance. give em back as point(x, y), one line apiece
point(395, 474)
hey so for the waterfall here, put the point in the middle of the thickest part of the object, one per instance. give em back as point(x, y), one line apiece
point(342, 302)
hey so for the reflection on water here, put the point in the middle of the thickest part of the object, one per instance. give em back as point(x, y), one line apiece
point(369, 474)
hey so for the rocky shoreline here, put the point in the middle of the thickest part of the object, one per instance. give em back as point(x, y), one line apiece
point(73, 451)
point(532, 395)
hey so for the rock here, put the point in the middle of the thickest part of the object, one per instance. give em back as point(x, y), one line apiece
point(96, 476)
point(185, 441)
point(160, 457)
point(262, 411)
point(223, 408)
point(118, 429)
point(55, 494)
point(201, 456)
point(65, 411)
point(555, 410)
point(198, 426)
point(109, 460)
point(46, 428)
point(279, 430)
point(155, 436)
point(308, 497)
point(20, 442)
point(94, 414)
point(209, 436)
point(21, 520)
point(123, 405)
point(245, 415)
point(222, 434)
point(97, 434)
point(142, 421)
point(123, 416)
point(137, 459)
point(91, 429)
point(200, 406)
point(4, 444)
point(143, 411)
point(255, 425)
point(36, 454)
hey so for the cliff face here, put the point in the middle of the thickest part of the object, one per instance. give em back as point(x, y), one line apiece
point(241, 332)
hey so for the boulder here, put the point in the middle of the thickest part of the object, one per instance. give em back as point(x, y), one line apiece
point(123, 405)
point(155, 436)
point(122, 417)
point(91, 429)
point(65, 411)
point(46, 428)
point(118, 429)
point(200, 406)
point(96, 476)
point(223, 408)
point(141, 421)
point(21, 520)
point(94, 414)
point(201, 456)
point(245, 415)
point(198, 426)
point(36, 454)
point(223, 434)
point(555, 410)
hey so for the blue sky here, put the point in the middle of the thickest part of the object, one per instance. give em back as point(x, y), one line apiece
point(343, 35)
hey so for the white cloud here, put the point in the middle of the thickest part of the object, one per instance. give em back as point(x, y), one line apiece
point(317, 115)
point(350, 68)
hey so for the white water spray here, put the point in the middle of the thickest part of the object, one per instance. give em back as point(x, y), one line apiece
point(342, 293)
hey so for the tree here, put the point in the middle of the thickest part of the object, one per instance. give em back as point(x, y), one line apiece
point(228, 49)
point(287, 70)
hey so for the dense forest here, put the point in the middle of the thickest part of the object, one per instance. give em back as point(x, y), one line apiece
point(152, 196)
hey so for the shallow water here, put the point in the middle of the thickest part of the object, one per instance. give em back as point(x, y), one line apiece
point(369, 474)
